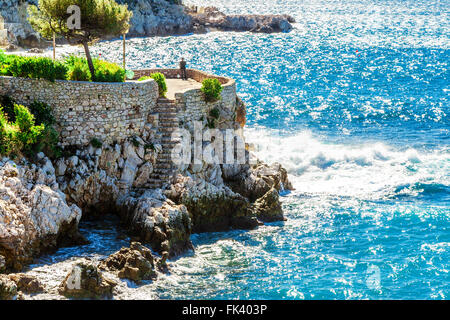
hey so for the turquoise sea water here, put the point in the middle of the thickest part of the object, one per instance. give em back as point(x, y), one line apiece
point(355, 104)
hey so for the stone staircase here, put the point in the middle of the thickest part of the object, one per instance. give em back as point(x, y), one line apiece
point(164, 169)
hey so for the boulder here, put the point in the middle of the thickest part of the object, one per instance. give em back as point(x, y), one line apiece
point(156, 220)
point(26, 283)
point(213, 18)
point(255, 181)
point(8, 289)
point(135, 263)
point(85, 280)
point(268, 207)
point(143, 175)
point(212, 207)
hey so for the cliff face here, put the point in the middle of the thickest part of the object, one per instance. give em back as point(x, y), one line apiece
point(34, 215)
point(151, 18)
point(160, 203)
point(14, 13)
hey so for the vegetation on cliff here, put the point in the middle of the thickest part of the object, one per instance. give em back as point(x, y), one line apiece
point(27, 130)
point(211, 88)
point(160, 80)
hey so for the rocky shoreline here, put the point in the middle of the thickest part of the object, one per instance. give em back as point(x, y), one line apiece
point(41, 206)
point(42, 202)
point(151, 18)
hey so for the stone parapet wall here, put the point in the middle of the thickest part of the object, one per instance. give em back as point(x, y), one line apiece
point(85, 110)
point(193, 107)
point(197, 75)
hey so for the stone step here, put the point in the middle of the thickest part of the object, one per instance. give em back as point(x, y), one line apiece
point(165, 107)
point(166, 110)
point(168, 114)
point(169, 123)
point(165, 100)
point(169, 118)
point(173, 120)
point(162, 166)
point(168, 129)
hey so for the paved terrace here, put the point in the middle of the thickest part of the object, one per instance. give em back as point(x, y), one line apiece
point(177, 85)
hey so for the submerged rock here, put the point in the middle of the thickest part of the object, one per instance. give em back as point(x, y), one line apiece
point(135, 263)
point(85, 280)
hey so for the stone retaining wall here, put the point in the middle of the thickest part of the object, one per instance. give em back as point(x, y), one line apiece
point(115, 111)
point(85, 110)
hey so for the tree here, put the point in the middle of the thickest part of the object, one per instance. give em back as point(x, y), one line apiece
point(97, 19)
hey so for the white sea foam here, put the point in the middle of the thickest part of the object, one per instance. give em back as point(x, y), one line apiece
point(366, 170)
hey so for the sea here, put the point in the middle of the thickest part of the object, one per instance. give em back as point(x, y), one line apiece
point(355, 103)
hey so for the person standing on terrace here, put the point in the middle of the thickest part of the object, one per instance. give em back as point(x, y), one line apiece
point(183, 69)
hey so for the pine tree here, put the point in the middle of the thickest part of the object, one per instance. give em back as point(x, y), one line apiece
point(98, 19)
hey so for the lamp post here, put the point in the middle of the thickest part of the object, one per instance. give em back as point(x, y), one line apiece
point(54, 46)
point(124, 49)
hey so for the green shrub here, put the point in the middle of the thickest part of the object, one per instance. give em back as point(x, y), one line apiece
point(144, 78)
point(96, 143)
point(211, 88)
point(79, 71)
point(42, 112)
point(5, 134)
point(7, 104)
point(211, 123)
point(37, 68)
point(161, 81)
point(215, 113)
point(77, 68)
point(108, 72)
point(48, 143)
point(24, 136)
point(28, 133)
point(5, 61)
point(72, 68)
